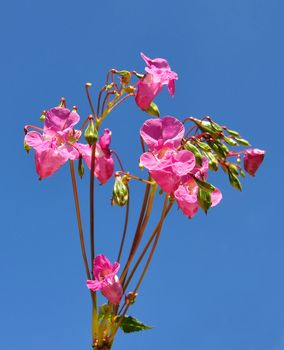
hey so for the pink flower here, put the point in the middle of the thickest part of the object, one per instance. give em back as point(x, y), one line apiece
point(56, 144)
point(253, 159)
point(104, 163)
point(187, 200)
point(159, 73)
point(162, 132)
point(106, 280)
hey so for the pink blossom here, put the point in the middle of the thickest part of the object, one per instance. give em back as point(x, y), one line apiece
point(253, 159)
point(159, 73)
point(104, 163)
point(56, 144)
point(106, 280)
point(162, 132)
point(187, 200)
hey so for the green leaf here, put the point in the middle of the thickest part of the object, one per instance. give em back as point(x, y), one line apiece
point(204, 199)
point(153, 110)
point(206, 186)
point(130, 324)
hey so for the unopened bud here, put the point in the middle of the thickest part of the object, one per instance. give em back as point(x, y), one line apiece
point(91, 133)
point(204, 146)
point(234, 181)
point(230, 141)
point(130, 298)
point(190, 147)
point(232, 132)
point(120, 192)
point(204, 199)
point(206, 126)
point(206, 186)
point(27, 147)
point(242, 142)
point(129, 89)
point(81, 169)
point(233, 169)
point(212, 160)
point(62, 103)
point(42, 117)
point(153, 110)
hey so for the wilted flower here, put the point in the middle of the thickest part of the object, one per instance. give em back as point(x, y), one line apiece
point(105, 279)
point(253, 159)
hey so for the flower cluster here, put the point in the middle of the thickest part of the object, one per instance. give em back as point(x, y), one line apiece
point(174, 170)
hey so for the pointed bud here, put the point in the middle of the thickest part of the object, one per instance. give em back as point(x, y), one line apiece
point(203, 146)
point(206, 126)
point(91, 133)
point(242, 142)
point(62, 103)
point(130, 298)
point(42, 117)
point(213, 162)
point(206, 186)
point(204, 199)
point(230, 141)
point(233, 169)
point(27, 147)
point(232, 132)
point(81, 169)
point(153, 110)
point(120, 192)
point(234, 181)
point(129, 89)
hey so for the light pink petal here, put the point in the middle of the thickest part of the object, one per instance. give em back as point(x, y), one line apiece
point(59, 119)
point(187, 201)
point(94, 285)
point(48, 161)
point(105, 139)
point(216, 197)
point(115, 267)
point(183, 162)
point(34, 139)
point(157, 133)
point(252, 160)
point(113, 291)
point(69, 151)
point(171, 87)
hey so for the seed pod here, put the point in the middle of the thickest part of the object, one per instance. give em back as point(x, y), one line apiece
point(203, 146)
point(213, 162)
point(242, 142)
point(230, 141)
point(190, 147)
point(27, 147)
point(234, 181)
point(233, 169)
point(81, 167)
point(120, 192)
point(206, 186)
point(204, 199)
point(232, 132)
point(153, 110)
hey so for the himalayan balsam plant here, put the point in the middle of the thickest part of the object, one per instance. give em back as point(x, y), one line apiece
point(177, 157)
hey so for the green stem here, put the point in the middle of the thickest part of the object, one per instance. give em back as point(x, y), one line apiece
point(125, 226)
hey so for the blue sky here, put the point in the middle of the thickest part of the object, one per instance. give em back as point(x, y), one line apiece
point(216, 282)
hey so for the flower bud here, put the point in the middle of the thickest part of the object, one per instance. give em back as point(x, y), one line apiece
point(252, 160)
point(233, 169)
point(91, 133)
point(120, 192)
point(153, 110)
point(230, 141)
point(242, 142)
point(190, 147)
point(129, 89)
point(130, 298)
point(206, 126)
point(204, 146)
point(42, 117)
point(213, 162)
point(232, 132)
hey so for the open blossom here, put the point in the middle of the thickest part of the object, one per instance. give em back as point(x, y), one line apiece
point(174, 170)
point(253, 159)
point(56, 143)
point(159, 73)
point(104, 163)
point(106, 280)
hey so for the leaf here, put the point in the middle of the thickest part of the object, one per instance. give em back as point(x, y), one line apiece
point(130, 324)
point(153, 110)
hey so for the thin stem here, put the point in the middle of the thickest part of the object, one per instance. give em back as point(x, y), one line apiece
point(136, 178)
point(90, 100)
point(79, 220)
point(145, 249)
point(125, 226)
point(92, 204)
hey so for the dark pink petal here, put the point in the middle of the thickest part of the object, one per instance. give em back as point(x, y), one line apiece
point(171, 87)
point(102, 267)
point(59, 119)
point(147, 90)
point(105, 139)
point(166, 179)
point(113, 291)
point(159, 63)
point(163, 132)
point(187, 200)
point(104, 168)
point(252, 160)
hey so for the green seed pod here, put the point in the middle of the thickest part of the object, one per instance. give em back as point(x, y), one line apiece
point(218, 150)
point(206, 186)
point(230, 141)
point(81, 167)
point(203, 146)
point(190, 147)
point(233, 132)
point(27, 147)
point(91, 133)
point(233, 169)
point(213, 162)
point(153, 110)
point(120, 192)
point(215, 126)
point(242, 142)
point(234, 181)
point(204, 199)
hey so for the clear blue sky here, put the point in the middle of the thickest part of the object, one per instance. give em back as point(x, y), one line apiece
point(216, 282)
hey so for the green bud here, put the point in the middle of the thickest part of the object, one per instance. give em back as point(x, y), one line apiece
point(122, 72)
point(153, 110)
point(206, 186)
point(120, 192)
point(213, 162)
point(234, 181)
point(233, 169)
point(230, 141)
point(232, 132)
point(206, 126)
point(81, 167)
point(204, 199)
point(242, 142)
point(42, 118)
point(190, 147)
point(203, 146)
point(242, 173)
point(91, 133)
point(27, 147)
point(105, 309)
point(215, 126)
point(218, 150)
